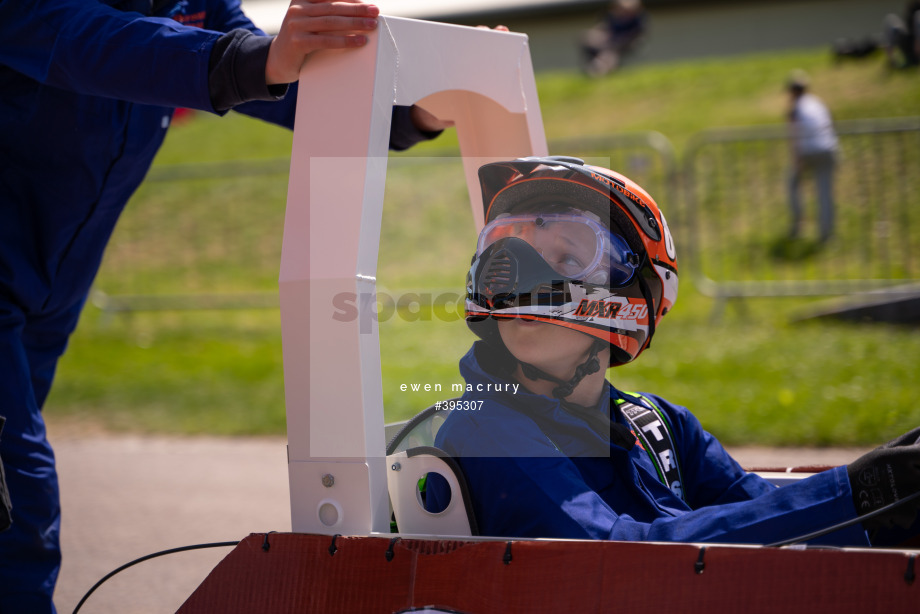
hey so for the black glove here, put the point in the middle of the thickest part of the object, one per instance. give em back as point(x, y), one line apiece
point(886, 475)
point(911, 438)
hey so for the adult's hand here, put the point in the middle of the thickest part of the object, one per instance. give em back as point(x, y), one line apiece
point(427, 121)
point(886, 475)
point(911, 438)
point(310, 25)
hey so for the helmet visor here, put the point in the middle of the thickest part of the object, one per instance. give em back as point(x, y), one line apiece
point(577, 247)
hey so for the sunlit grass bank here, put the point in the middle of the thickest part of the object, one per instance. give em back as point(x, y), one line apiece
point(751, 376)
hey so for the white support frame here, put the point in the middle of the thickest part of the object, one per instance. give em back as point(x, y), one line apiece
point(483, 81)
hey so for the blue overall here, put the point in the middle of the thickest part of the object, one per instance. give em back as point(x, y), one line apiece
point(536, 469)
point(87, 92)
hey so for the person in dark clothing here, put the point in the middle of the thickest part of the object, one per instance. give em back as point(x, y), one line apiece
point(87, 92)
point(901, 43)
point(606, 44)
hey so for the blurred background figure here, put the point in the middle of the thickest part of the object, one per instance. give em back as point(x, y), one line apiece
point(901, 43)
point(855, 48)
point(605, 45)
point(814, 151)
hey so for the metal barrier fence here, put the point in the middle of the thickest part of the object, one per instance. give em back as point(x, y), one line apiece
point(198, 236)
point(648, 158)
point(737, 201)
point(208, 235)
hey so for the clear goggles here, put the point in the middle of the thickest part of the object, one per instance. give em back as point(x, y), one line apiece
point(575, 246)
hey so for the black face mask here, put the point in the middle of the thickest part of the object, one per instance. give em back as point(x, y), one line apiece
point(511, 273)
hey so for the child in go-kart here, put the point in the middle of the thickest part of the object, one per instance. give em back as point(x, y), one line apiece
point(573, 272)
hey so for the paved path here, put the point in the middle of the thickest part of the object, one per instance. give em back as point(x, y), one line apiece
point(129, 496)
point(126, 497)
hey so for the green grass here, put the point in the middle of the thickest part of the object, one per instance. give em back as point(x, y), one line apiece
point(680, 99)
point(751, 376)
point(756, 378)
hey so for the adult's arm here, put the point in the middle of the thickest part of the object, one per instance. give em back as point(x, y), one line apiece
point(405, 129)
point(91, 48)
point(94, 49)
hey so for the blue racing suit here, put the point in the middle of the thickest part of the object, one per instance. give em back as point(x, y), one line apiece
point(539, 469)
point(87, 91)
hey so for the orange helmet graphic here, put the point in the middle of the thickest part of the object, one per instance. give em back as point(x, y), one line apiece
point(571, 245)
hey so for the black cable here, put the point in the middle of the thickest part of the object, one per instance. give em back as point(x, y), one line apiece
point(147, 558)
point(843, 525)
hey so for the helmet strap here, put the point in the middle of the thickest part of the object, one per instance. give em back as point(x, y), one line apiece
point(566, 388)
